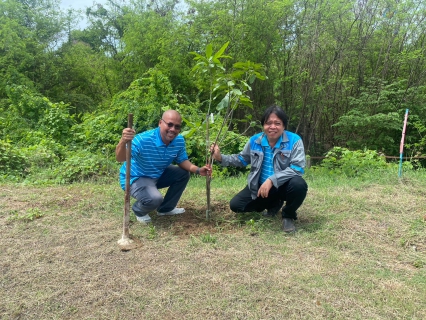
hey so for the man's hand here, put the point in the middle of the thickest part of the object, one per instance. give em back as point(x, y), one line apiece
point(128, 134)
point(264, 188)
point(214, 148)
point(120, 150)
point(206, 171)
point(188, 166)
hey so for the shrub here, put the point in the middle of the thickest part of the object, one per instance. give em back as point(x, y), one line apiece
point(40, 156)
point(57, 122)
point(12, 162)
point(36, 143)
point(98, 133)
point(83, 165)
point(352, 163)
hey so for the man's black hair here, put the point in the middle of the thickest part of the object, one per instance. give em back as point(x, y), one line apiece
point(276, 110)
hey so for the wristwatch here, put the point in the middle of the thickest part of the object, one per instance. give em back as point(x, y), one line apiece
point(197, 171)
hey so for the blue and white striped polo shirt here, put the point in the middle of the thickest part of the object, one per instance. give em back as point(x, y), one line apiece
point(267, 169)
point(151, 156)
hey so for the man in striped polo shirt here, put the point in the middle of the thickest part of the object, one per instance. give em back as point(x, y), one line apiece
point(153, 153)
point(277, 160)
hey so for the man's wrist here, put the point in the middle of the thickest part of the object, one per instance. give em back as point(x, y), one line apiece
point(197, 171)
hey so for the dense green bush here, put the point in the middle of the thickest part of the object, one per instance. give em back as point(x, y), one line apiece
point(57, 122)
point(40, 157)
point(83, 165)
point(33, 140)
point(28, 111)
point(352, 163)
point(97, 132)
point(12, 162)
point(146, 98)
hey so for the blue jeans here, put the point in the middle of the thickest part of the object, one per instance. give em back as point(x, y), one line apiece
point(148, 198)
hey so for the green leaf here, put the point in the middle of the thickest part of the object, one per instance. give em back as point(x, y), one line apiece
point(240, 65)
point(209, 51)
point(224, 103)
point(252, 78)
point(237, 92)
point(244, 100)
point(197, 55)
point(189, 133)
point(246, 85)
point(221, 51)
point(238, 74)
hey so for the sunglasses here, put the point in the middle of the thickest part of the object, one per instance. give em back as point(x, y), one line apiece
point(170, 125)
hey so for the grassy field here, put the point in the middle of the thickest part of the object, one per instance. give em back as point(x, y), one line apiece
point(359, 253)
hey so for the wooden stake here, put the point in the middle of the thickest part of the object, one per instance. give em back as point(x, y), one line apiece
point(126, 242)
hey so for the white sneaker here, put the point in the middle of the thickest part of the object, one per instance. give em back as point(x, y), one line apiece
point(144, 219)
point(172, 213)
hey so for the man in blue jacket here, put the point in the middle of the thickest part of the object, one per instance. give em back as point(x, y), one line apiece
point(277, 159)
point(153, 153)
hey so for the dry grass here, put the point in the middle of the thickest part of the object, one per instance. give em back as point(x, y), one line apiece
point(359, 253)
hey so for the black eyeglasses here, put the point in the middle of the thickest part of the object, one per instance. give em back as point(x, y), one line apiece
point(170, 125)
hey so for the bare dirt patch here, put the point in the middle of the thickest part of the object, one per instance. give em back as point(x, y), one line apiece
point(193, 221)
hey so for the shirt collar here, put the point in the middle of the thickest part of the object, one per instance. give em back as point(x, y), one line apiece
point(264, 142)
point(159, 142)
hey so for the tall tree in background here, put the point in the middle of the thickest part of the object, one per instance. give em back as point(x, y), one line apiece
point(29, 31)
point(330, 64)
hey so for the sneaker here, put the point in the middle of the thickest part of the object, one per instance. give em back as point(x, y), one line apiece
point(144, 219)
point(272, 212)
point(172, 213)
point(288, 225)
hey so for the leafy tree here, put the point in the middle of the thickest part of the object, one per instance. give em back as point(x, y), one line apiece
point(33, 120)
point(156, 37)
point(83, 79)
point(375, 119)
point(147, 98)
point(29, 31)
point(57, 122)
point(230, 87)
point(106, 27)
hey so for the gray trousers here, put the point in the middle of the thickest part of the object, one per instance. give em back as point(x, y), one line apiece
point(148, 198)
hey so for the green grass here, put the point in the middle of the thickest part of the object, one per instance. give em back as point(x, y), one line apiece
point(359, 253)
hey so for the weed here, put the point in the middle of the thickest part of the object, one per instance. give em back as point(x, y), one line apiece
point(152, 232)
point(32, 214)
point(208, 238)
point(419, 263)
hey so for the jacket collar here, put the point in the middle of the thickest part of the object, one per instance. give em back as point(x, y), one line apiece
point(262, 140)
